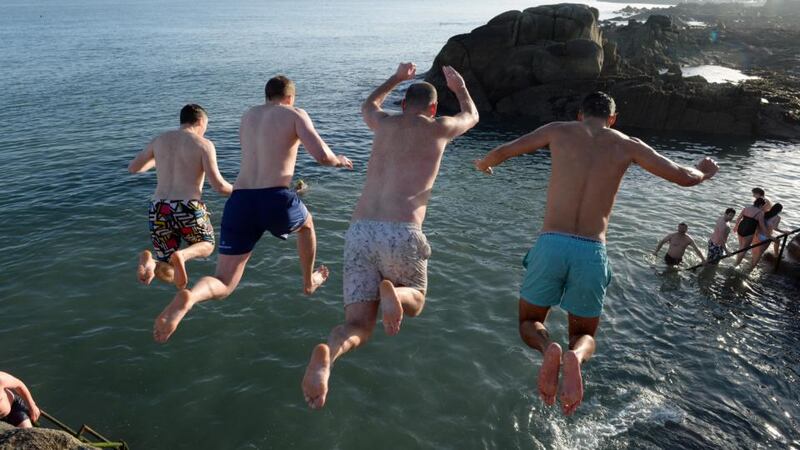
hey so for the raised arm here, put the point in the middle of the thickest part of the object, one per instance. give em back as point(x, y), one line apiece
point(459, 124)
point(314, 144)
point(661, 244)
point(653, 162)
point(144, 160)
point(8, 381)
point(529, 143)
point(371, 109)
point(211, 169)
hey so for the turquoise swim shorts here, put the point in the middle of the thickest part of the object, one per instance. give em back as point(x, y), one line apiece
point(569, 271)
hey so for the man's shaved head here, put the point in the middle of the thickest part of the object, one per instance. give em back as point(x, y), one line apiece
point(421, 95)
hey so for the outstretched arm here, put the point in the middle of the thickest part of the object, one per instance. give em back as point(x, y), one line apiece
point(468, 117)
point(651, 161)
point(697, 250)
point(211, 169)
point(661, 243)
point(8, 381)
point(144, 160)
point(371, 109)
point(314, 144)
point(529, 143)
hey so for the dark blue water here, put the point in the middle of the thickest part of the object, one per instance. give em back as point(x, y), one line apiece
point(683, 361)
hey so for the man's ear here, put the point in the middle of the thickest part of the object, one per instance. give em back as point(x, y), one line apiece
point(580, 116)
point(433, 109)
point(612, 120)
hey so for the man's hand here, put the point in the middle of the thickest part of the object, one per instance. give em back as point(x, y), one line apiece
point(344, 161)
point(455, 82)
point(34, 412)
point(406, 71)
point(483, 167)
point(708, 166)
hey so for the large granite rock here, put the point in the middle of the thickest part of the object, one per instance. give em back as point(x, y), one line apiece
point(518, 49)
point(13, 438)
point(538, 63)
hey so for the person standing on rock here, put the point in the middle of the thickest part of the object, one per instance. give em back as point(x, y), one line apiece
point(568, 265)
point(386, 254)
point(182, 159)
point(262, 201)
point(17, 407)
point(678, 243)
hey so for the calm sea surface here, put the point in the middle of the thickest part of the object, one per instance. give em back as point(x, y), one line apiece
point(683, 361)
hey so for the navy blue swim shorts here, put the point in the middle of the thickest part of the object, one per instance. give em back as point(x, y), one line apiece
point(250, 212)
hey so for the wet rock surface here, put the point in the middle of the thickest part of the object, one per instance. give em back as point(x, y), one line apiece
point(537, 64)
point(13, 438)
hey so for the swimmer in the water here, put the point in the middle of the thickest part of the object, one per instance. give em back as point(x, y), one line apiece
point(301, 187)
point(718, 242)
point(678, 242)
point(750, 220)
point(17, 406)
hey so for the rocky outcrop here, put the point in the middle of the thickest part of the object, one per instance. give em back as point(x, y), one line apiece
point(538, 63)
point(13, 438)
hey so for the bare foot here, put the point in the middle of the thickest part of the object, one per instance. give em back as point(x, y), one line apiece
point(317, 278)
point(181, 278)
point(147, 268)
point(548, 373)
point(571, 392)
point(167, 322)
point(315, 381)
point(391, 307)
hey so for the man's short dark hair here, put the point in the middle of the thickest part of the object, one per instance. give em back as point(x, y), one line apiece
point(192, 113)
point(598, 104)
point(421, 95)
point(759, 191)
point(279, 87)
point(759, 202)
point(730, 211)
point(683, 225)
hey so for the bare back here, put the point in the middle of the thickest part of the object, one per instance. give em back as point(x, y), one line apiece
point(587, 168)
point(179, 165)
point(269, 146)
point(402, 169)
point(721, 231)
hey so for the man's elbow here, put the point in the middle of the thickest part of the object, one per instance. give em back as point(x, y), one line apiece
point(132, 168)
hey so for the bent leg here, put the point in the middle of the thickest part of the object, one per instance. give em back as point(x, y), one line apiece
point(581, 348)
point(533, 332)
point(356, 331)
point(178, 260)
point(396, 301)
point(230, 269)
point(307, 250)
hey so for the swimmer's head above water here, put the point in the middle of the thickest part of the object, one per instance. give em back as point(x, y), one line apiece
point(683, 228)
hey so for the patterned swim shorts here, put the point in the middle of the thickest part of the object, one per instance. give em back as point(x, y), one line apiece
point(715, 252)
point(171, 220)
point(376, 251)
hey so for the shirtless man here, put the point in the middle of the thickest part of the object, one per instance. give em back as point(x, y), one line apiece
point(182, 159)
point(678, 242)
point(568, 265)
point(17, 407)
point(718, 242)
point(386, 254)
point(760, 193)
point(261, 200)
